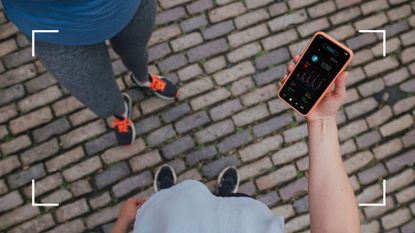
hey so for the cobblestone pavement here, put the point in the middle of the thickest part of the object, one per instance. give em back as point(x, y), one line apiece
point(227, 57)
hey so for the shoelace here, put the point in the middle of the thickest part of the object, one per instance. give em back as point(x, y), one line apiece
point(121, 125)
point(157, 84)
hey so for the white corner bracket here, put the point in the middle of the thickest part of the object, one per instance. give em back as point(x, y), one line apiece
point(39, 31)
point(383, 204)
point(383, 36)
point(39, 204)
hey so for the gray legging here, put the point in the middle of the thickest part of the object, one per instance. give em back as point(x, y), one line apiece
point(86, 70)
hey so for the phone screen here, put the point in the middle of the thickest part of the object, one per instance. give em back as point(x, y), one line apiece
point(315, 71)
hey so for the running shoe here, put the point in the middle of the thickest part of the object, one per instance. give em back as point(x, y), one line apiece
point(158, 85)
point(123, 126)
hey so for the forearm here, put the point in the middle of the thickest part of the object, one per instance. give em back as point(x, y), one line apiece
point(333, 206)
point(120, 226)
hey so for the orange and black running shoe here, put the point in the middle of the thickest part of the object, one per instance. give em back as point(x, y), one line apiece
point(158, 85)
point(123, 126)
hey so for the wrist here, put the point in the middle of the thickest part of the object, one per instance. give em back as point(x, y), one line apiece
point(321, 120)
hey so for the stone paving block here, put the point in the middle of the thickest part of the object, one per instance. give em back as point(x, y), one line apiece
point(80, 187)
point(194, 23)
point(409, 138)
point(277, 177)
point(12, 93)
point(18, 215)
point(251, 18)
point(407, 55)
point(310, 28)
point(285, 211)
point(31, 120)
point(44, 185)
point(387, 149)
point(248, 35)
point(193, 121)
point(175, 113)
point(194, 88)
point(160, 135)
point(172, 63)
point(23, 177)
point(250, 115)
point(10, 201)
point(358, 161)
point(290, 153)
point(374, 173)
point(58, 196)
point(241, 86)
point(54, 128)
point(7, 47)
point(270, 75)
point(102, 216)
point(18, 58)
point(279, 40)
point(255, 168)
point(215, 131)
point(408, 86)
point(226, 12)
point(261, 148)
point(396, 218)
point(158, 51)
point(7, 112)
point(3, 187)
point(147, 124)
point(372, 87)
point(293, 189)
point(212, 169)
point(134, 182)
point(399, 13)
point(100, 200)
point(38, 224)
point(234, 141)
point(401, 161)
point(41, 98)
point(147, 160)
point(272, 58)
point(214, 64)
point(244, 52)
point(189, 72)
point(374, 6)
point(270, 198)
point(396, 77)
point(82, 169)
point(82, 116)
point(111, 175)
point(101, 143)
point(259, 95)
point(287, 20)
point(40, 152)
point(201, 154)
point(271, 125)
point(72, 210)
point(8, 164)
point(218, 30)
point(352, 129)
point(225, 109)
point(321, 9)
point(199, 6)
point(368, 139)
point(66, 105)
point(171, 15)
point(210, 98)
point(178, 147)
point(17, 75)
point(58, 162)
point(116, 154)
point(206, 50)
point(164, 34)
point(75, 226)
point(406, 195)
point(83, 133)
point(295, 134)
point(397, 125)
point(404, 105)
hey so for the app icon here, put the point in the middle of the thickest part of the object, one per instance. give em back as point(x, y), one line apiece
point(314, 58)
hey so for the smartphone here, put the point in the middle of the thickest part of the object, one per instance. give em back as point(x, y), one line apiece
point(320, 64)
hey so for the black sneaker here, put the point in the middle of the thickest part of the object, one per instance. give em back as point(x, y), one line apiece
point(123, 126)
point(158, 85)
point(165, 178)
point(228, 181)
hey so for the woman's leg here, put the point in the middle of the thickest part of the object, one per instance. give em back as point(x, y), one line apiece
point(87, 73)
point(131, 42)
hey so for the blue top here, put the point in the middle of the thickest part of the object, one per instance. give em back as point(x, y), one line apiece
point(80, 22)
point(189, 207)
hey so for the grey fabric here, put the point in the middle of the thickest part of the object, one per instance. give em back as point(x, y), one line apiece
point(86, 70)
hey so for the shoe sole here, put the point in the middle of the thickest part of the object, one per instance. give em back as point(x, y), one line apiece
point(223, 172)
point(155, 93)
point(130, 107)
point(157, 173)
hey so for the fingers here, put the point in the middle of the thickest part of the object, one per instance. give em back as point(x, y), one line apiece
point(340, 90)
point(296, 58)
point(290, 68)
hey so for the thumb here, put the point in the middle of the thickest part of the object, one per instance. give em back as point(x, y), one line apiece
point(340, 86)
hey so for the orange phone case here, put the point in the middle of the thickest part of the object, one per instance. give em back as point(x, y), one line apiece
point(331, 83)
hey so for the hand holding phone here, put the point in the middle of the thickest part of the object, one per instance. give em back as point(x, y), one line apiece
point(331, 102)
point(308, 83)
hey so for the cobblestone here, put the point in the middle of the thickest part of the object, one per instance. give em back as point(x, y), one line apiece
point(227, 58)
